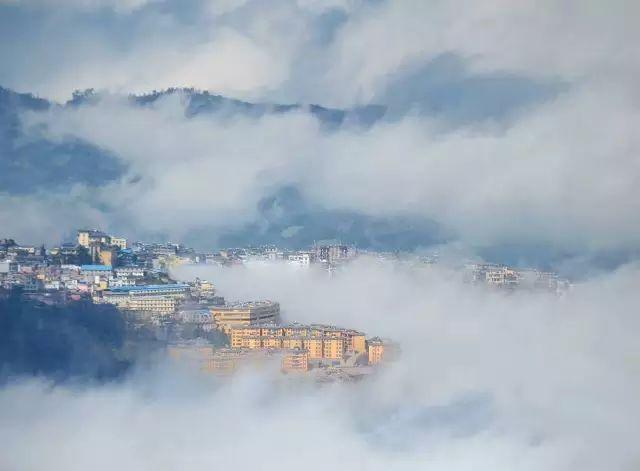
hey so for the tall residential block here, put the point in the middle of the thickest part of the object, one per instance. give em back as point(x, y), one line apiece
point(234, 315)
point(319, 341)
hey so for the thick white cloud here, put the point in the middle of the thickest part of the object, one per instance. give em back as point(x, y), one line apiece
point(564, 173)
point(229, 62)
point(568, 40)
point(251, 49)
point(486, 380)
point(120, 6)
point(198, 172)
point(49, 218)
point(553, 176)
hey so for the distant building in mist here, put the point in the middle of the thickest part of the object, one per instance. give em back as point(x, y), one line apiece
point(300, 259)
point(380, 350)
point(332, 252)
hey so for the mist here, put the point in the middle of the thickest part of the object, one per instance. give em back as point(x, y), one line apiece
point(493, 135)
point(488, 131)
point(486, 380)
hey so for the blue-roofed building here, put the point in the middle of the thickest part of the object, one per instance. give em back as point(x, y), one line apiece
point(178, 290)
point(97, 269)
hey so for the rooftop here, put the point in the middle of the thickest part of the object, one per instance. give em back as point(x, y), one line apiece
point(246, 304)
point(171, 287)
point(295, 325)
point(93, 232)
point(96, 267)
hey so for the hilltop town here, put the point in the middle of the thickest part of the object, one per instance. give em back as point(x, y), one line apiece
point(195, 324)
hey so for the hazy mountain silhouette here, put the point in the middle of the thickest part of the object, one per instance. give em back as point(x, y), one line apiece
point(29, 164)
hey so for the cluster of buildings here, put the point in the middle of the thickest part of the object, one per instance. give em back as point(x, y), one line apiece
point(505, 277)
point(208, 359)
point(326, 253)
point(255, 331)
point(134, 277)
point(325, 345)
point(102, 267)
point(100, 247)
point(299, 348)
point(322, 344)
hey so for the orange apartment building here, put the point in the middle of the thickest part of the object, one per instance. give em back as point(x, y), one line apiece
point(314, 347)
point(295, 360)
point(376, 351)
point(320, 341)
point(380, 350)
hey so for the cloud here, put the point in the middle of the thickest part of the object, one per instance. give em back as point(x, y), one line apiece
point(543, 178)
point(487, 380)
point(337, 52)
point(522, 381)
point(194, 172)
point(507, 124)
point(243, 49)
point(120, 6)
point(49, 218)
point(548, 171)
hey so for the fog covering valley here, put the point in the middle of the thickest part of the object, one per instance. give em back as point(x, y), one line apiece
point(486, 380)
point(493, 131)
